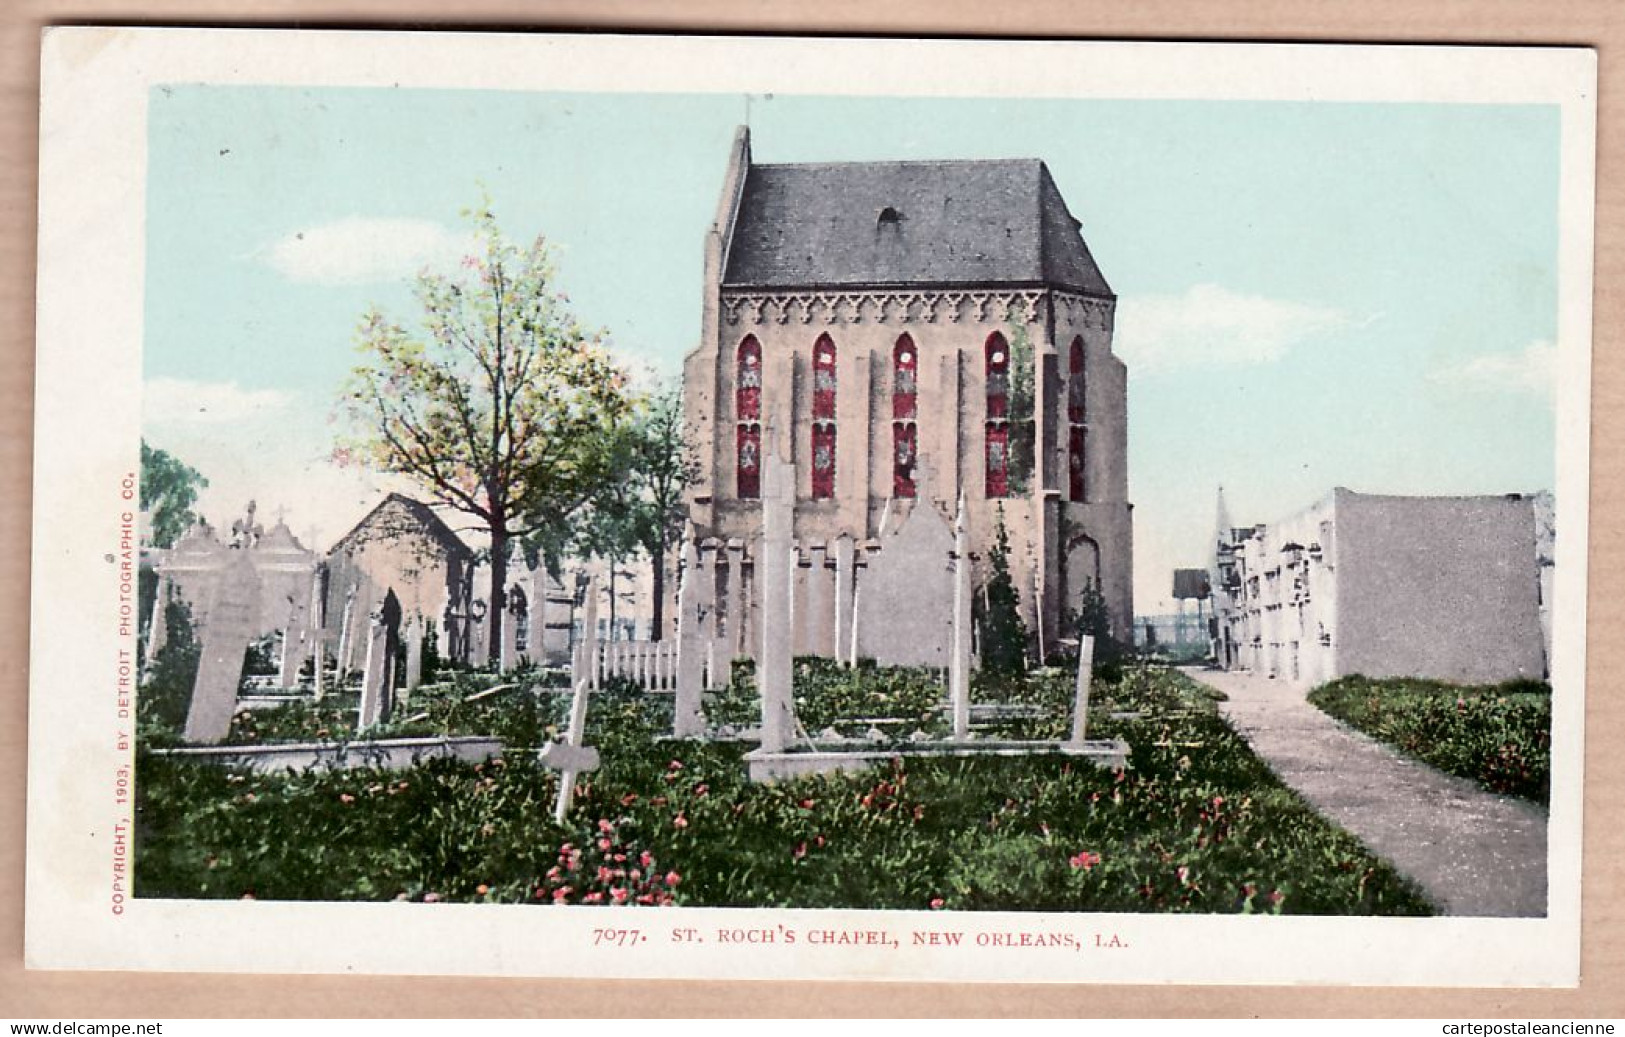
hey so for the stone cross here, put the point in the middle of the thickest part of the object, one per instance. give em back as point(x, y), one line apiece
point(1080, 705)
point(570, 757)
point(233, 623)
point(773, 670)
point(959, 662)
point(688, 720)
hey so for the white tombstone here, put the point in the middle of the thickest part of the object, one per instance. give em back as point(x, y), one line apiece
point(378, 675)
point(959, 660)
point(346, 638)
point(735, 632)
point(231, 625)
point(589, 635)
point(774, 668)
point(293, 647)
point(844, 589)
point(508, 651)
point(688, 719)
point(1080, 704)
point(414, 651)
point(317, 618)
point(158, 627)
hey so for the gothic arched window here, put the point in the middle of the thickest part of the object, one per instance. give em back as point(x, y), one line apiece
point(748, 415)
point(824, 379)
point(996, 431)
point(998, 377)
point(749, 465)
point(1077, 427)
point(905, 382)
point(823, 413)
point(748, 381)
point(903, 458)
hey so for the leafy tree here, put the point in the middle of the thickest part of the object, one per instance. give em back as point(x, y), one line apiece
point(1092, 618)
point(168, 490)
point(643, 509)
point(499, 406)
point(1003, 634)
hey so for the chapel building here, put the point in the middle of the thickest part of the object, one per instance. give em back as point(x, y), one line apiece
point(907, 334)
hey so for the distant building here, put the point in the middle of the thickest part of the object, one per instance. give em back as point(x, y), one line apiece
point(1448, 588)
point(907, 333)
point(401, 546)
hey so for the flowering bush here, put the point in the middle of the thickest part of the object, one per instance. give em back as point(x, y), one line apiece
point(608, 869)
point(1196, 823)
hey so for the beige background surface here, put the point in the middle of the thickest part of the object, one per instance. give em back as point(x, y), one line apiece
point(1599, 23)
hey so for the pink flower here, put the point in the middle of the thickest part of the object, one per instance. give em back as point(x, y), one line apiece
point(562, 894)
point(805, 804)
point(672, 878)
point(800, 851)
point(1084, 860)
point(646, 858)
point(679, 821)
point(618, 895)
point(604, 844)
point(431, 898)
point(593, 898)
point(605, 826)
point(345, 797)
point(1183, 874)
point(936, 903)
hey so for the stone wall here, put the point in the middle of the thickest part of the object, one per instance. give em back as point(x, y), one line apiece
point(1443, 587)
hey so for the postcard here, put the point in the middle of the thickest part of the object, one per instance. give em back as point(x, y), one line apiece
point(695, 507)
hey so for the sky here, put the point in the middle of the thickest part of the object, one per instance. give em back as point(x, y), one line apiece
point(1310, 295)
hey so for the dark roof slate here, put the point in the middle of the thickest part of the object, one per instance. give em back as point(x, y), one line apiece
point(423, 516)
point(970, 222)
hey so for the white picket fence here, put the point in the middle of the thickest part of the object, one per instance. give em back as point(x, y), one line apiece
point(651, 665)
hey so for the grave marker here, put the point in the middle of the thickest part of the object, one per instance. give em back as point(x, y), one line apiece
point(232, 624)
point(959, 662)
point(1080, 705)
point(378, 677)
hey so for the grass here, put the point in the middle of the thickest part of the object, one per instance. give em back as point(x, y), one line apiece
point(1196, 823)
point(1497, 735)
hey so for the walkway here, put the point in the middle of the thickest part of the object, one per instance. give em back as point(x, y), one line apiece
point(1472, 852)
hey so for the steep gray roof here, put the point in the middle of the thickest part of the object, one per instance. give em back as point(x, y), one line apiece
point(377, 524)
point(882, 224)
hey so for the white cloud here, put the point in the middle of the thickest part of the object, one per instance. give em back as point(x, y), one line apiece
point(358, 250)
point(1211, 326)
point(180, 401)
point(1530, 370)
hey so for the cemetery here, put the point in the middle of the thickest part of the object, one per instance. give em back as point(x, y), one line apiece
point(671, 773)
point(884, 664)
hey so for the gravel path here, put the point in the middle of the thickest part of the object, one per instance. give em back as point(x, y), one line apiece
point(1473, 852)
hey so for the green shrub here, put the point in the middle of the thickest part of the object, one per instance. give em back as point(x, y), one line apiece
point(1196, 823)
point(1496, 735)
